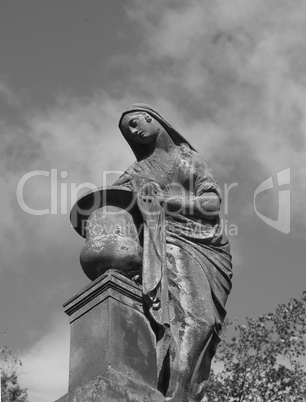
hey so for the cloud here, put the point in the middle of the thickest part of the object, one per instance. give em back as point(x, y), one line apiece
point(8, 95)
point(230, 76)
point(77, 136)
point(45, 366)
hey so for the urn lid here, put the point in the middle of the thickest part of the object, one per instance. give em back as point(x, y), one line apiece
point(122, 197)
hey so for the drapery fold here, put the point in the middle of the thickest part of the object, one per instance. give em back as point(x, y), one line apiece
point(154, 272)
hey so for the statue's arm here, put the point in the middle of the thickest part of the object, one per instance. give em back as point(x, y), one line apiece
point(134, 177)
point(204, 199)
point(206, 206)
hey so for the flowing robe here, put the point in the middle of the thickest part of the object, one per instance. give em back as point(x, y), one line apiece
point(186, 274)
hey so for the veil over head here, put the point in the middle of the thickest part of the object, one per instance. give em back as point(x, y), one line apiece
point(139, 149)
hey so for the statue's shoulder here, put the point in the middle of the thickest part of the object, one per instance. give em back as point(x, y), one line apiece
point(197, 159)
point(185, 149)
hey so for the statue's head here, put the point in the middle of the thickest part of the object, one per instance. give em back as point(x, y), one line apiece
point(140, 127)
point(141, 124)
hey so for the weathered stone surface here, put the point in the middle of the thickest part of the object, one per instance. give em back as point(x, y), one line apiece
point(112, 242)
point(186, 265)
point(186, 272)
point(118, 389)
point(110, 339)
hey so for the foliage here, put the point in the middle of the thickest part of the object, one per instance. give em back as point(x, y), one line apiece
point(262, 360)
point(10, 370)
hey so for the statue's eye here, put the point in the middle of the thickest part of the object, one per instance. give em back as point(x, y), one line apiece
point(133, 123)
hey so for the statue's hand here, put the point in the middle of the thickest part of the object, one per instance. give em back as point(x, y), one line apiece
point(150, 190)
point(148, 199)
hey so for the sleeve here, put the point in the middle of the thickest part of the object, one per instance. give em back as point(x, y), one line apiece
point(123, 180)
point(135, 177)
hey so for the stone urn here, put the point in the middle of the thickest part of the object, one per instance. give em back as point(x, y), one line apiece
point(111, 223)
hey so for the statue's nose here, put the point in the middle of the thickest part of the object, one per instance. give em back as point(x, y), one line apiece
point(133, 130)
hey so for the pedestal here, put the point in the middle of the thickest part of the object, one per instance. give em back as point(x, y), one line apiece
point(112, 346)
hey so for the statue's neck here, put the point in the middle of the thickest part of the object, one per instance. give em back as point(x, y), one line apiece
point(163, 146)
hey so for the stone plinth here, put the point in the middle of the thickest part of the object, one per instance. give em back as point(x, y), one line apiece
point(112, 347)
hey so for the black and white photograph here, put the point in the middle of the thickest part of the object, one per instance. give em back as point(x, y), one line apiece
point(153, 187)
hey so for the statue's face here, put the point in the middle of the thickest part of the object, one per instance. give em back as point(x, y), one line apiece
point(140, 127)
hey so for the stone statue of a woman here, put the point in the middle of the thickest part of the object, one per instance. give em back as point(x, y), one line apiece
point(186, 274)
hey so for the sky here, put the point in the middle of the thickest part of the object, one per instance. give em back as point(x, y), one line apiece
point(229, 75)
